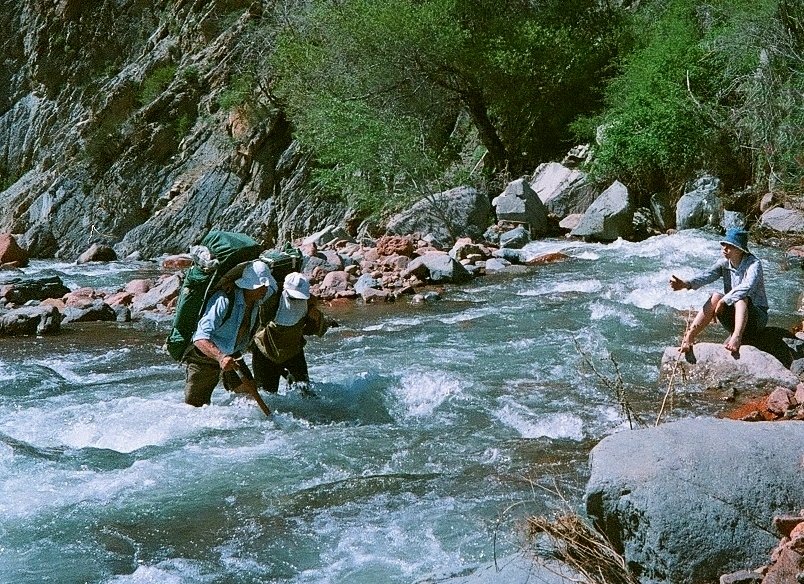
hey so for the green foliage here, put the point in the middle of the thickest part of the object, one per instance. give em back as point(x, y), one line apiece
point(190, 74)
point(105, 142)
point(652, 132)
point(710, 86)
point(155, 83)
point(376, 87)
point(238, 93)
point(182, 126)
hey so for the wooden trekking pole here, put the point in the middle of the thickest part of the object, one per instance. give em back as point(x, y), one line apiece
point(248, 386)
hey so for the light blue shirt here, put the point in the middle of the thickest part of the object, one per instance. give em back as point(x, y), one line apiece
point(223, 333)
point(744, 281)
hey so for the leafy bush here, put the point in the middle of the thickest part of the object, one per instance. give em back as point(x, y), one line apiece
point(155, 83)
point(711, 86)
point(238, 93)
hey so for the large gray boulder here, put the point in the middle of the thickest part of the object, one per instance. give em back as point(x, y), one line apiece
point(437, 267)
point(21, 289)
point(519, 203)
point(458, 212)
point(609, 217)
point(712, 366)
point(564, 191)
point(30, 320)
point(688, 501)
point(783, 220)
point(701, 206)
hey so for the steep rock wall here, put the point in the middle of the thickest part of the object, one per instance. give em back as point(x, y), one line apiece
point(111, 129)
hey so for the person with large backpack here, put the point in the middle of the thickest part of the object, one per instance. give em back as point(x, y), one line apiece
point(225, 329)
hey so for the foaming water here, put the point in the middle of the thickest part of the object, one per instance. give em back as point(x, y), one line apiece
point(431, 426)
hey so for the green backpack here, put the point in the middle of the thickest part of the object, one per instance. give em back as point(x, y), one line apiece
point(225, 253)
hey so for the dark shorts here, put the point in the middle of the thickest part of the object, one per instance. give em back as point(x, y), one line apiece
point(267, 373)
point(757, 319)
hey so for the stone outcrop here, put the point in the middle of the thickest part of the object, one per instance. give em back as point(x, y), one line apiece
point(446, 216)
point(712, 366)
point(783, 220)
point(519, 203)
point(688, 501)
point(30, 320)
point(20, 289)
point(564, 191)
point(114, 134)
point(609, 217)
point(701, 205)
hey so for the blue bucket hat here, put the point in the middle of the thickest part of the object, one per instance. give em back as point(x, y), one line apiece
point(738, 238)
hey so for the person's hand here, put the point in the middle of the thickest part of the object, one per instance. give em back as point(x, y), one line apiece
point(720, 307)
point(677, 283)
point(227, 363)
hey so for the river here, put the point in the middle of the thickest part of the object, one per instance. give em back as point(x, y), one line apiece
point(438, 427)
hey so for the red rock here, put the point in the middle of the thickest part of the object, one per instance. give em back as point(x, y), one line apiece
point(57, 302)
point(140, 286)
point(800, 394)
point(11, 253)
point(785, 524)
point(120, 299)
point(547, 258)
point(395, 244)
point(177, 262)
point(780, 400)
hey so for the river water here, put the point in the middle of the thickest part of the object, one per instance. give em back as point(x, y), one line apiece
point(437, 428)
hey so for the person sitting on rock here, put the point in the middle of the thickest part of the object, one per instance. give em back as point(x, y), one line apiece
point(279, 346)
point(226, 328)
point(743, 306)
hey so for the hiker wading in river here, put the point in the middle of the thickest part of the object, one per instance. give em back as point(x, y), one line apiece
point(279, 345)
point(226, 328)
point(743, 306)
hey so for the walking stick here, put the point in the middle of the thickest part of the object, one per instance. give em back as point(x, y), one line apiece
point(248, 386)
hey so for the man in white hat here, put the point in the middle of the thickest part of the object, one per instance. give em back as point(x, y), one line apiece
point(225, 329)
point(280, 344)
point(742, 308)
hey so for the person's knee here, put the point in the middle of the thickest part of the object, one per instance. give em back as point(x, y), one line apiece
point(194, 399)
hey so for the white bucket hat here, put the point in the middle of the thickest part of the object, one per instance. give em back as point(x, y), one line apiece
point(297, 286)
point(256, 275)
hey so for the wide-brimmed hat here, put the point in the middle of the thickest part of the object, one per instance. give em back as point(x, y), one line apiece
point(738, 238)
point(297, 286)
point(256, 275)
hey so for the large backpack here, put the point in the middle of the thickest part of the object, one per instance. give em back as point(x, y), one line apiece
point(224, 253)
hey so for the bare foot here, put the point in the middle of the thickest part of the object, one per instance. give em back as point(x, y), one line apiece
point(733, 343)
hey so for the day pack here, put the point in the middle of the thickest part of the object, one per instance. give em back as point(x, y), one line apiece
point(282, 262)
point(218, 255)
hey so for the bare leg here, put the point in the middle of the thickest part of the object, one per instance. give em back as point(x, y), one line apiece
point(699, 323)
point(734, 342)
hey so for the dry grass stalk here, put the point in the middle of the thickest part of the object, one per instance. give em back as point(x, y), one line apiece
point(616, 385)
point(670, 393)
point(583, 549)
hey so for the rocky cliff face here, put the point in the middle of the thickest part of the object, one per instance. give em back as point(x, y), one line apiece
point(112, 128)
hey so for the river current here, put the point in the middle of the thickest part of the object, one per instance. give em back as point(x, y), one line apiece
point(436, 430)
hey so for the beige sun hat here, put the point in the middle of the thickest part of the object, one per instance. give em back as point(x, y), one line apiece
point(255, 275)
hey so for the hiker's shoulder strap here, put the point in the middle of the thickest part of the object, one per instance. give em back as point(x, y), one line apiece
point(269, 308)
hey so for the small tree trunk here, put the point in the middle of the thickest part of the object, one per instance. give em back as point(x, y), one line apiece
point(476, 105)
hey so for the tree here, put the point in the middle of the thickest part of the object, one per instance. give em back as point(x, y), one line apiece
point(377, 87)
